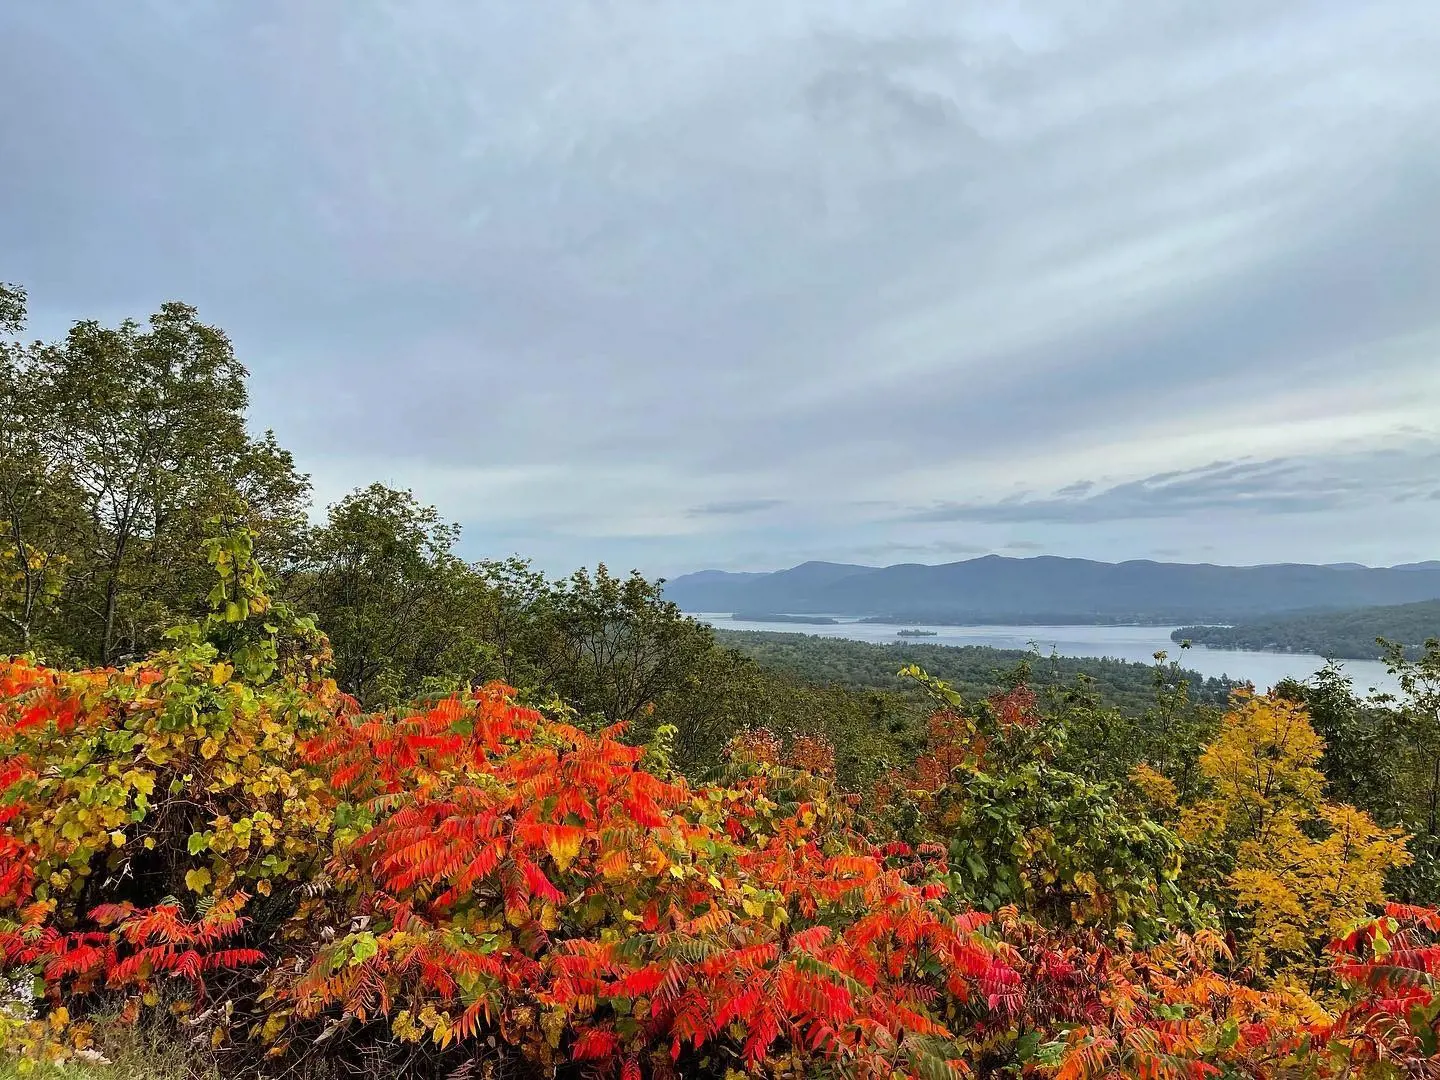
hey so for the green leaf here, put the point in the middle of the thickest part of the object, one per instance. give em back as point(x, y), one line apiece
point(362, 948)
point(1027, 1045)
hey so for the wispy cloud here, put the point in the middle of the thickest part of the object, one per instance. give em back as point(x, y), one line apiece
point(936, 549)
point(1276, 486)
point(734, 507)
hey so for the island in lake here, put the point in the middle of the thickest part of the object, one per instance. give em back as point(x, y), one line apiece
point(802, 620)
point(917, 633)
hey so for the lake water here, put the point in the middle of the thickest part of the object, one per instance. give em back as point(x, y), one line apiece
point(1138, 643)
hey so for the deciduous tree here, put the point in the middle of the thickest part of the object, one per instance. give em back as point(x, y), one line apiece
point(1297, 869)
point(122, 442)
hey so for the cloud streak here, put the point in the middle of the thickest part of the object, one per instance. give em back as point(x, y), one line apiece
point(1277, 486)
point(734, 507)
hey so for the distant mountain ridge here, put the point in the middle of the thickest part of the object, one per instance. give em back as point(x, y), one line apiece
point(1048, 588)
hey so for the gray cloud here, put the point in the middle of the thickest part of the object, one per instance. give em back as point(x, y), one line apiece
point(577, 272)
point(935, 549)
point(1275, 486)
point(734, 507)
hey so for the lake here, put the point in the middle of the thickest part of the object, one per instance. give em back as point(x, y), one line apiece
point(1138, 643)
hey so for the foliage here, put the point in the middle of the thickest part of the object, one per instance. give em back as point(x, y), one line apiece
point(614, 650)
point(611, 647)
point(727, 693)
point(1022, 831)
point(1382, 753)
point(119, 445)
point(1167, 735)
point(123, 790)
point(1418, 750)
point(488, 861)
point(1389, 969)
point(12, 308)
point(38, 504)
point(473, 873)
point(527, 874)
point(399, 607)
point(1364, 756)
point(1298, 869)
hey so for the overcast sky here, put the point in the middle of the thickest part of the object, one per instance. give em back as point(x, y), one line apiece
point(738, 283)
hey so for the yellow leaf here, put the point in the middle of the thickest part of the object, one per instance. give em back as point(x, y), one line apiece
point(118, 837)
point(220, 673)
point(209, 748)
point(563, 843)
point(196, 880)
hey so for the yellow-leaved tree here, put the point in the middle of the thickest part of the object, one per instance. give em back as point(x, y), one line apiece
point(1298, 869)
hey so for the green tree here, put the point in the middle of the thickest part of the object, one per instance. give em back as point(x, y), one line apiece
point(1382, 753)
point(725, 693)
point(1105, 742)
point(12, 308)
point(38, 507)
point(1022, 830)
point(401, 609)
point(610, 647)
point(138, 434)
point(1418, 746)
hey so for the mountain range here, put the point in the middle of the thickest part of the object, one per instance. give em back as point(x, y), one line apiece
point(1048, 589)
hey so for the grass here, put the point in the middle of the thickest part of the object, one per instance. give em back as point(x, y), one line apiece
point(144, 1051)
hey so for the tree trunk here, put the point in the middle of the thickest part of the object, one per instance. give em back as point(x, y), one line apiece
point(107, 641)
point(1434, 792)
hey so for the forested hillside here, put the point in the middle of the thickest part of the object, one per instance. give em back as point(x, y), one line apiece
point(1341, 634)
point(1046, 590)
point(974, 669)
point(296, 799)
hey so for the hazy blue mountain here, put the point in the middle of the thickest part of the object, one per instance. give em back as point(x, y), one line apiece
point(783, 587)
point(998, 589)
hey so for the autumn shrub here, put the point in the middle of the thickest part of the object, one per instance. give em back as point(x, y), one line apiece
point(217, 836)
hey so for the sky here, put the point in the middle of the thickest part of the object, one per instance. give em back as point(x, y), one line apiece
point(678, 284)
